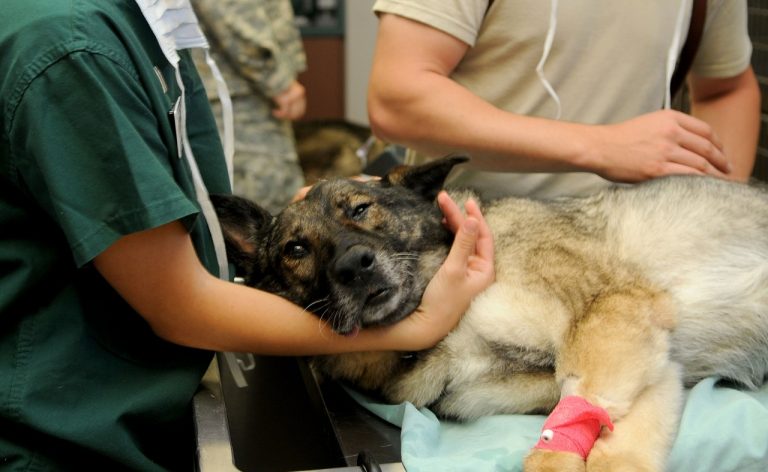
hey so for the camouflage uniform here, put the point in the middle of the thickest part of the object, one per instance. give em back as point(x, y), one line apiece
point(259, 51)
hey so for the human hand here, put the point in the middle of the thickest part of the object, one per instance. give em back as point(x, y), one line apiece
point(291, 103)
point(302, 192)
point(467, 271)
point(656, 144)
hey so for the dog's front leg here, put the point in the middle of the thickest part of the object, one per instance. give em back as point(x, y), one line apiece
point(643, 437)
point(614, 367)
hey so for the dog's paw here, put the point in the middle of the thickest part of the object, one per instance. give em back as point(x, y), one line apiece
point(540, 460)
point(602, 459)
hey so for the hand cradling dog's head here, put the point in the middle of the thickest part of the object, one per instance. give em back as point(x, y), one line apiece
point(354, 253)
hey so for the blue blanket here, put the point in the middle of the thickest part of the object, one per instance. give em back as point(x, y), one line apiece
point(722, 430)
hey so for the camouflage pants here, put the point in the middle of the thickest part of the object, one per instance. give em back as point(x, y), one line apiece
point(266, 167)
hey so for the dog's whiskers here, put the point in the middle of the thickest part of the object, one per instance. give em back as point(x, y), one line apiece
point(323, 302)
point(326, 318)
point(405, 256)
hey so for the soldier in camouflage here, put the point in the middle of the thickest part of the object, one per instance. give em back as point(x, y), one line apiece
point(259, 51)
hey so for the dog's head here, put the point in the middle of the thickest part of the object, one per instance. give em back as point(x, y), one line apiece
point(354, 253)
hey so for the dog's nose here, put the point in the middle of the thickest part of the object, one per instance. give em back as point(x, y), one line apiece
point(355, 265)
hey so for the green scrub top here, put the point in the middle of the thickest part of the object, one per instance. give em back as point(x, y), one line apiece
point(88, 154)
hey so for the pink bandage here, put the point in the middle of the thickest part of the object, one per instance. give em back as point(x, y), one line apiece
point(573, 426)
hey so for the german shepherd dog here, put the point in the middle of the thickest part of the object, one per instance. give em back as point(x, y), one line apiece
point(621, 298)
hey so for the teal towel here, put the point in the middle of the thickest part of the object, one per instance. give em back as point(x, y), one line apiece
point(722, 430)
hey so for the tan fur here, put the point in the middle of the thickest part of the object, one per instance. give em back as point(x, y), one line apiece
point(576, 282)
point(551, 461)
point(621, 298)
point(370, 369)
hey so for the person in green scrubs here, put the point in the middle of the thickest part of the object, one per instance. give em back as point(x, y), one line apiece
point(110, 301)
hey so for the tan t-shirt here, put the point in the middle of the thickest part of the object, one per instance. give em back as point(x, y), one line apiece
point(607, 64)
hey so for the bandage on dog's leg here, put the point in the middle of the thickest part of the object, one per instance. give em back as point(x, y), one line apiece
point(616, 358)
point(567, 436)
point(573, 426)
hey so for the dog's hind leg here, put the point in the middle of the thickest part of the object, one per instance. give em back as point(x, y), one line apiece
point(616, 357)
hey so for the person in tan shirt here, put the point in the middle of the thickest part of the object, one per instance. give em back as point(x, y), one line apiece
point(560, 99)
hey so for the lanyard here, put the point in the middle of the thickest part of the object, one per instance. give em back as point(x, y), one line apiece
point(175, 26)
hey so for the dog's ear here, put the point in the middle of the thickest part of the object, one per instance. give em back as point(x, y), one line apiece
point(425, 179)
point(243, 224)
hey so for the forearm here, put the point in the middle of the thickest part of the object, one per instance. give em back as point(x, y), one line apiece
point(158, 273)
point(223, 316)
point(735, 117)
point(434, 115)
point(437, 116)
point(412, 100)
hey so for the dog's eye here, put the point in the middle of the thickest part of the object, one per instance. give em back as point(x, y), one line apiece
point(295, 250)
point(359, 211)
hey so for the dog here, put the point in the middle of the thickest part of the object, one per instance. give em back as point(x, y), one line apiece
point(621, 298)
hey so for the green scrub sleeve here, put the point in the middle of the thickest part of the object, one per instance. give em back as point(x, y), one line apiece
point(88, 147)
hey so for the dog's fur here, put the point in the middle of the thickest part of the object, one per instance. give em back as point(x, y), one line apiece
point(621, 298)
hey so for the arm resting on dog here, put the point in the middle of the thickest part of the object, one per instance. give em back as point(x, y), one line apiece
point(159, 274)
point(414, 101)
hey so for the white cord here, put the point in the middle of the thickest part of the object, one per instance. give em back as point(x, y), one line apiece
point(545, 54)
point(674, 52)
point(227, 116)
point(201, 192)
